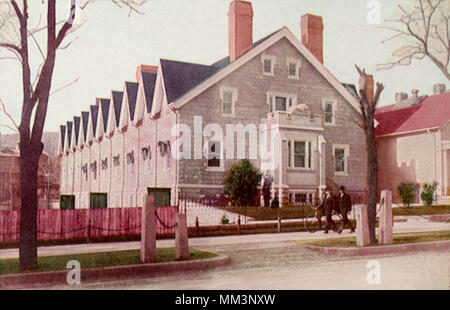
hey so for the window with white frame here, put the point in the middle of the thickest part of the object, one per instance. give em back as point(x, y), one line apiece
point(228, 98)
point(281, 102)
point(268, 62)
point(300, 154)
point(293, 68)
point(214, 154)
point(340, 153)
point(329, 110)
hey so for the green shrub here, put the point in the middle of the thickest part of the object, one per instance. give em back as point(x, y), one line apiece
point(224, 220)
point(275, 203)
point(407, 193)
point(427, 194)
point(241, 183)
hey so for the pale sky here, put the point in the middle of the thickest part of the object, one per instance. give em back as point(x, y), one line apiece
point(111, 45)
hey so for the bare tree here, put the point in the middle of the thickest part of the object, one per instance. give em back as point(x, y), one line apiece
point(368, 103)
point(16, 38)
point(423, 30)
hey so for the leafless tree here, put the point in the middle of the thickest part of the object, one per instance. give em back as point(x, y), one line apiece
point(422, 30)
point(368, 103)
point(16, 35)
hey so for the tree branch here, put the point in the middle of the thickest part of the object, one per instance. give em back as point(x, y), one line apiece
point(3, 109)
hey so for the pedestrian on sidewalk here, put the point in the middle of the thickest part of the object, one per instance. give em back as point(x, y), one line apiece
point(345, 206)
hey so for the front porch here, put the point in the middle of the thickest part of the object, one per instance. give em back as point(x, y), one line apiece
point(298, 165)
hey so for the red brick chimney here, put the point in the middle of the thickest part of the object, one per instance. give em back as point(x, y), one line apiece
point(312, 34)
point(240, 29)
point(144, 68)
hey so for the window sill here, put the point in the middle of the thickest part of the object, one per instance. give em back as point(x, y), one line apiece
point(341, 174)
point(229, 115)
point(268, 74)
point(329, 124)
point(309, 170)
point(215, 169)
point(290, 77)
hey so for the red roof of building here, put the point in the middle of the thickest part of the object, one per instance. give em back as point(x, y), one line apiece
point(432, 112)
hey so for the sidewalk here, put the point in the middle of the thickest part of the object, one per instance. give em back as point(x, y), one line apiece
point(399, 227)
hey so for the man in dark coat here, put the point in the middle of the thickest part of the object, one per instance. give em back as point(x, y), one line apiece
point(329, 203)
point(345, 205)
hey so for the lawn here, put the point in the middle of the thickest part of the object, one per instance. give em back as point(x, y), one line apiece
point(101, 259)
point(264, 214)
point(398, 239)
point(298, 212)
point(422, 210)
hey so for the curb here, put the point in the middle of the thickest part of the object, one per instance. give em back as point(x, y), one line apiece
point(382, 249)
point(114, 273)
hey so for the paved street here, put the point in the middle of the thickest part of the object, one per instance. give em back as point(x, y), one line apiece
point(285, 265)
point(275, 261)
point(399, 227)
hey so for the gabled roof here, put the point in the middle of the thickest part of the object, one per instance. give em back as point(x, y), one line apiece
point(181, 86)
point(432, 112)
point(62, 134)
point(77, 123)
point(117, 97)
point(84, 123)
point(69, 134)
point(94, 116)
point(226, 60)
point(104, 108)
point(180, 77)
point(149, 80)
point(132, 89)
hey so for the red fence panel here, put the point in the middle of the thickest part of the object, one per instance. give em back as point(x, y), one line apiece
point(67, 224)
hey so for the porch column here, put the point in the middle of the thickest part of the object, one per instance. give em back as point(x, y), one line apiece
point(446, 149)
point(283, 169)
point(322, 172)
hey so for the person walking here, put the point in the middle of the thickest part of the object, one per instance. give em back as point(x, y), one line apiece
point(329, 204)
point(345, 206)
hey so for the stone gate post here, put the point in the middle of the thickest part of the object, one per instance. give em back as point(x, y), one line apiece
point(148, 231)
point(385, 224)
point(362, 226)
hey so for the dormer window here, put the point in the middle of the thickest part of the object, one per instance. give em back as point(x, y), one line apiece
point(293, 68)
point(268, 62)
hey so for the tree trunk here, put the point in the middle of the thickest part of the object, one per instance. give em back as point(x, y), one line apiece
point(372, 180)
point(29, 163)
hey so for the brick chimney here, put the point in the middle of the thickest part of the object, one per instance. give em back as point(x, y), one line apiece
point(312, 34)
point(240, 29)
point(144, 68)
point(400, 96)
point(438, 89)
point(370, 87)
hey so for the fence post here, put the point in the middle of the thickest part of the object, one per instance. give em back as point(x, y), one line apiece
point(239, 224)
point(181, 237)
point(148, 231)
point(88, 237)
point(385, 222)
point(362, 226)
point(279, 222)
point(197, 226)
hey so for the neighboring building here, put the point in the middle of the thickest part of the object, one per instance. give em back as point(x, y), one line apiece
point(48, 180)
point(413, 138)
point(123, 148)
